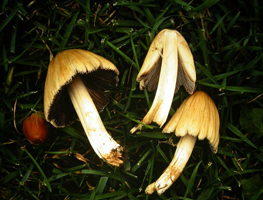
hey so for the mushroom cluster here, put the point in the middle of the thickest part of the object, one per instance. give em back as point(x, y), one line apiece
point(168, 65)
point(75, 85)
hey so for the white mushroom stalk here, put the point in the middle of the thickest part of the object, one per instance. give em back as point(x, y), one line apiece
point(196, 117)
point(102, 143)
point(176, 166)
point(76, 85)
point(168, 65)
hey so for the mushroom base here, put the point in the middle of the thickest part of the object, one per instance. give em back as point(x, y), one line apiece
point(175, 168)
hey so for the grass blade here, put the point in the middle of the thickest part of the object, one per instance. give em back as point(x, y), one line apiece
point(234, 130)
point(207, 4)
point(9, 18)
point(192, 179)
point(46, 182)
point(121, 53)
point(69, 30)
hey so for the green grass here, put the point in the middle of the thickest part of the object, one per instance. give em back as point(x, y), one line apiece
point(226, 39)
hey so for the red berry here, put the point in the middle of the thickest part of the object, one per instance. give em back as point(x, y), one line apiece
point(36, 129)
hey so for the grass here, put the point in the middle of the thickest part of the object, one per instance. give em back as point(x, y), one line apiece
point(227, 43)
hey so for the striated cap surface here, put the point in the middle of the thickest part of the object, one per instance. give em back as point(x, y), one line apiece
point(197, 116)
point(96, 72)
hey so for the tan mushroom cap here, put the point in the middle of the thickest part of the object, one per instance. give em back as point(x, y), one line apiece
point(150, 71)
point(96, 72)
point(198, 117)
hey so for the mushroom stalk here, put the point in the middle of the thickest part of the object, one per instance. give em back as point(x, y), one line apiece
point(175, 168)
point(103, 144)
point(159, 110)
point(167, 82)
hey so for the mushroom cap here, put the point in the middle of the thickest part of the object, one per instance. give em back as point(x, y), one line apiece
point(96, 72)
point(197, 116)
point(150, 71)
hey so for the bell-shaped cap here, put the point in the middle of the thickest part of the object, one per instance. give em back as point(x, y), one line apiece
point(198, 117)
point(150, 71)
point(96, 72)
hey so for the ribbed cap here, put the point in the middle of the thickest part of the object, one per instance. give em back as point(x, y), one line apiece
point(96, 72)
point(197, 116)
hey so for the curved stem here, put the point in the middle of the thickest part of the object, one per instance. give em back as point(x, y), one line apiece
point(175, 168)
point(160, 108)
point(103, 144)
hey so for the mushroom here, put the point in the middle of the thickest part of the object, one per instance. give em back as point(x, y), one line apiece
point(168, 65)
point(196, 117)
point(75, 86)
